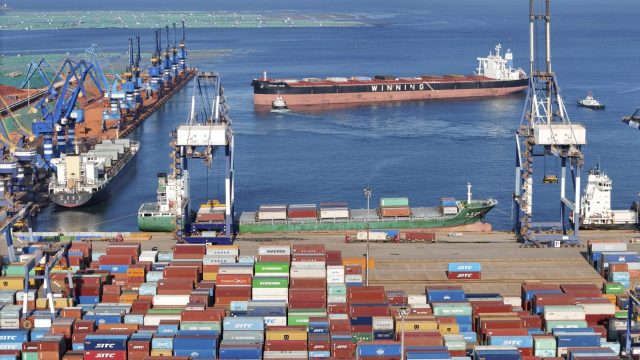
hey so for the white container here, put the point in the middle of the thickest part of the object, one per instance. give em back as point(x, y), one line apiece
point(154, 319)
point(512, 300)
point(42, 322)
point(9, 323)
point(247, 259)
point(416, 299)
point(274, 250)
point(336, 299)
point(308, 273)
point(308, 264)
point(275, 321)
point(271, 297)
point(262, 275)
point(612, 246)
point(373, 235)
point(353, 278)
point(148, 255)
point(337, 213)
point(237, 270)
point(599, 309)
point(223, 250)
point(335, 274)
point(420, 307)
point(382, 323)
point(270, 291)
point(633, 265)
point(285, 355)
point(564, 313)
point(339, 316)
point(170, 300)
point(31, 295)
point(218, 259)
point(272, 215)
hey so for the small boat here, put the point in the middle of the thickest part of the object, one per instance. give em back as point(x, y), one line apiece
point(279, 104)
point(591, 103)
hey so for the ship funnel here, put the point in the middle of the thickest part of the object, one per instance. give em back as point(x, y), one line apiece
point(468, 193)
point(264, 75)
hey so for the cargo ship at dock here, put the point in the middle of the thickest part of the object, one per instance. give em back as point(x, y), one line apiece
point(495, 76)
point(86, 178)
point(393, 213)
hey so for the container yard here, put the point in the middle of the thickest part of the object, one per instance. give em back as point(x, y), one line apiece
point(304, 299)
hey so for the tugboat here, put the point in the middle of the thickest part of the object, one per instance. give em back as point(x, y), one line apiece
point(590, 102)
point(279, 105)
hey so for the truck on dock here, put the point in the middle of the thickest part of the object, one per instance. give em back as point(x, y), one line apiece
point(391, 236)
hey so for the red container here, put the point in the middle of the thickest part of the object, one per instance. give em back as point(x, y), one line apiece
point(338, 326)
point(116, 260)
point(365, 311)
point(202, 315)
point(343, 349)
point(399, 211)
point(132, 250)
point(307, 249)
point(366, 295)
point(307, 305)
point(353, 269)
point(296, 214)
point(273, 258)
point(307, 283)
point(466, 275)
point(83, 326)
point(285, 345)
point(420, 236)
point(181, 272)
point(338, 308)
point(552, 299)
point(532, 321)
point(307, 295)
point(194, 249)
point(103, 354)
point(308, 258)
point(73, 355)
point(233, 280)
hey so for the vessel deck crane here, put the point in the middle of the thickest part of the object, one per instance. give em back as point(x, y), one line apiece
point(545, 130)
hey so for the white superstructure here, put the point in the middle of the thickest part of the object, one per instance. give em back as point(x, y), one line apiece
point(496, 67)
point(596, 203)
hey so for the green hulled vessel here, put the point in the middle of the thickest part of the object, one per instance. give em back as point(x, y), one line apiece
point(449, 213)
point(171, 206)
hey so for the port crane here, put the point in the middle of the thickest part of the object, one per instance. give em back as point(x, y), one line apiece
point(182, 55)
point(95, 56)
point(167, 60)
point(546, 131)
point(174, 54)
point(40, 68)
point(207, 133)
point(22, 148)
point(155, 83)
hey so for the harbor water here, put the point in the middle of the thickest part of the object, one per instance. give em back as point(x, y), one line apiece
point(420, 150)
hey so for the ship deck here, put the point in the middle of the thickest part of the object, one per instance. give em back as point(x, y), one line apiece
point(357, 215)
point(406, 80)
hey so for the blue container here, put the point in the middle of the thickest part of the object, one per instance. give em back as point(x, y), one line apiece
point(230, 352)
point(469, 336)
point(239, 306)
point(563, 331)
point(77, 346)
point(484, 296)
point(104, 319)
point(13, 336)
point(319, 354)
point(115, 269)
point(576, 340)
point(89, 300)
point(262, 311)
point(365, 349)
point(435, 295)
point(37, 334)
point(595, 258)
point(162, 343)
point(203, 353)
point(361, 320)
point(134, 319)
point(465, 327)
point(106, 342)
point(246, 323)
point(619, 276)
point(319, 329)
point(618, 258)
point(528, 296)
point(532, 331)
point(464, 267)
point(168, 329)
point(383, 334)
point(521, 341)
point(496, 355)
point(414, 355)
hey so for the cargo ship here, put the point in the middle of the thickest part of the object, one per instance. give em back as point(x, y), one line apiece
point(172, 199)
point(86, 178)
point(393, 213)
point(495, 76)
point(595, 205)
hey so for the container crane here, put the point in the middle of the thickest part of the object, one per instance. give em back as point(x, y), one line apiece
point(128, 86)
point(182, 56)
point(206, 133)
point(545, 130)
point(40, 68)
point(174, 54)
point(155, 83)
point(137, 79)
point(166, 64)
point(94, 55)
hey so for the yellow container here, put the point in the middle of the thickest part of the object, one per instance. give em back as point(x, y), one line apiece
point(359, 261)
point(11, 283)
point(449, 329)
point(58, 303)
point(135, 272)
point(286, 335)
point(416, 325)
point(161, 352)
point(610, 297)
point(128, 298)
point(209, 276)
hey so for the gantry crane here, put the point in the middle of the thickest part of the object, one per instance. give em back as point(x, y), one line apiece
point(174, 54)
point(166, 64)
point(207, 133)
point(155, 83)
point(546, 131)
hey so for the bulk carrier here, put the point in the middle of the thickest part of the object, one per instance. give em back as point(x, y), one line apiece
point(495, 76)
point(393, 213)
point(86, 178)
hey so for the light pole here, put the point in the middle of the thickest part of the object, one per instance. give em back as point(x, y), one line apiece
point(403, 311)
point(367, 194)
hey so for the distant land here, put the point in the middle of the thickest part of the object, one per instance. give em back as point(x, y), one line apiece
point(52, 20)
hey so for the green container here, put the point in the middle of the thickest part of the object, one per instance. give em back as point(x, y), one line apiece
point(399, 201)
point(452, 311)
point(614, 288)
point(544, 344)
point(298, 320)
point(300, 317)
point(164, 311)
point(29, 356)
point(270, 283)
point(271, 267)
point(622, 314)
point(336, 289)
point(200, 325)
point(357, 337)
point(16, 270)
point(565, 324)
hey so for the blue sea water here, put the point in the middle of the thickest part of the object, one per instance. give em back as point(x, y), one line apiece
point(422, 150)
